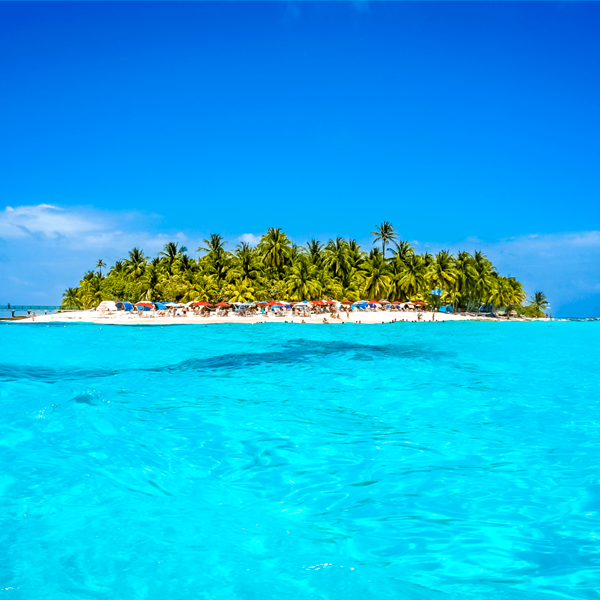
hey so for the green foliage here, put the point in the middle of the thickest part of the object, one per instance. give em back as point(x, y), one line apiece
point(276, 269)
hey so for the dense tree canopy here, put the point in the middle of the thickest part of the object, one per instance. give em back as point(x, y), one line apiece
point(278, 269)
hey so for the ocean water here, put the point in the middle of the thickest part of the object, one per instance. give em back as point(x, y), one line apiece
point(229, 462)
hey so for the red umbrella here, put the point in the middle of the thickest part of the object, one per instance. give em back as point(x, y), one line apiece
point(397, 302)
point(374, 302)
point(420, 303)
point(148, 304)
point(274, 303)
point(202, 304)
point(329, 302)
point(318, 302)
point(347, 302)
point(223, 304)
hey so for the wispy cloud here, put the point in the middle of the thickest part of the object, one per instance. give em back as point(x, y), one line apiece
point(82, 228)
point(45, 248)
point(44, 220)
point(564, 266)
point(250, 238)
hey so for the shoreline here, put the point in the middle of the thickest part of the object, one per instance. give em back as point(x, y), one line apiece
point(368, 318)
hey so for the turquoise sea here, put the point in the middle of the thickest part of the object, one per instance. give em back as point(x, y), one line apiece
point(246, 462)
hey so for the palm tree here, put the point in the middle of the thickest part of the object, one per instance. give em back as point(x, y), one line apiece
point(403, 250)
point(240, 290)
point(335, 258)
point(483, 280)
point(443, 274)
point(186, 265)
point(217, 260)
point(413, 277)
point(539, 301)
point(246, 263)
point(150, 284)
point(100, 265)
point(71, 298)
point(354, 254)
point(118, 268)
point(204, 288)
point(135, 264)
point(501, 292)
point(386, 233)
point(518, 294)
point(314, 249)
point(91, 291)
point(376, 274)
point(215, 244)
point(275, 249)
point(170, 255)
point(302, 282)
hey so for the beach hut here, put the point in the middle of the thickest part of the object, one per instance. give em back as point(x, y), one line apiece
point(107, 305)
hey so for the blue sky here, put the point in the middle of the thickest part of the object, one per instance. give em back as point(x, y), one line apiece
point(467, 125)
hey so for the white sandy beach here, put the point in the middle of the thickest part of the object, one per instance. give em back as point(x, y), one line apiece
point(147, 318)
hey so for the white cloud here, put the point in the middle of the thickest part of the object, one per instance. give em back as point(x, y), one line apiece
point(80, 228)
point(44, 220)
point(564, 266)
point(250, 238)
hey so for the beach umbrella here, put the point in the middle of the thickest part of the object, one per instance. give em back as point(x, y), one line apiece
point(384, 302)
point(160, 305)
point(274, 303)
point(318, 302)
point(145, 304)
point(202, 304)
point(223, 304)
point(347, 302)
